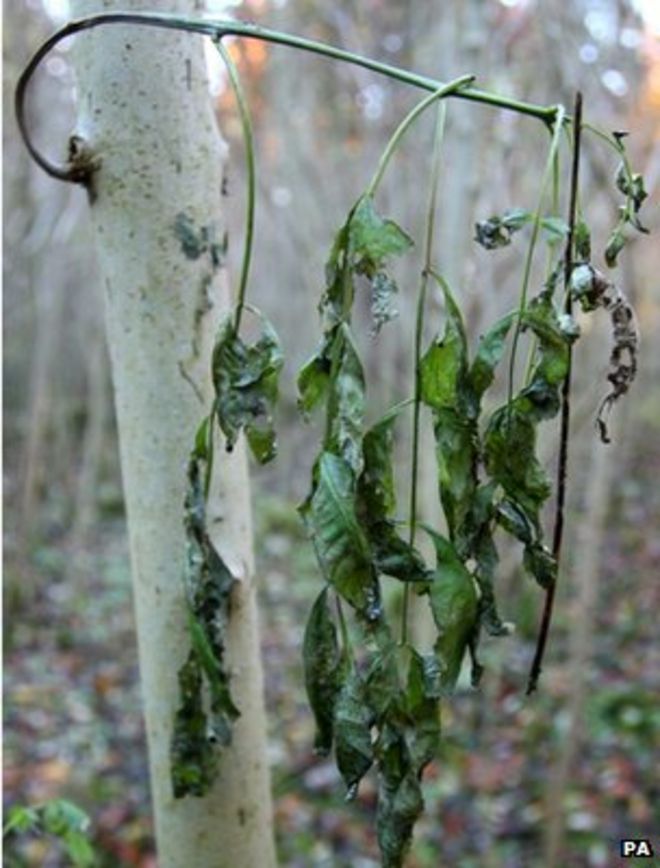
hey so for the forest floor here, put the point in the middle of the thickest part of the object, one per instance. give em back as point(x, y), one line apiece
point(73, 726)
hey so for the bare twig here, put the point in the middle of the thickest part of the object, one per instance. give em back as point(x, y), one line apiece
point(562, 465)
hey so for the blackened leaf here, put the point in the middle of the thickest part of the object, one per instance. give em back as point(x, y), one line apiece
point(382, 685)
point(341, 544)
point(383, 290)
point(454, 604)
point(346, 401)
point(511, 516)
point(456, 454)
point(510, 456)
point(324, 670)
point(497, 231)
point(246, 384)
point(537, 560)
point(374, 240)
point(209, 584)
point(400, 801)
point(377, 503)
point(479, 544)
point(192, 756)
point(541, 564)
point(489, 354)
point(352, 727)
point(424, 689)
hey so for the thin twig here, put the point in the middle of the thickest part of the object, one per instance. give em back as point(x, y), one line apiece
point(419, 328)
point(562, 465)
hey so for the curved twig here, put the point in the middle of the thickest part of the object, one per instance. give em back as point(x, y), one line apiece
point(218, 29)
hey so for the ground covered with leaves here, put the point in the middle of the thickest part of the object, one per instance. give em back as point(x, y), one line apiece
point(73, 726)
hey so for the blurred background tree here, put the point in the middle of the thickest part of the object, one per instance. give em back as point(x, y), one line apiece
point(559, 778)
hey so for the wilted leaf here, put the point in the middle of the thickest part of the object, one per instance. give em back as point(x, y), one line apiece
point(374, 240)
point(489, 354)
point(497, 231)
point(193, 760)
point(245, 378)
point(615, 244)
point(314, 376)
point(443, 368)
point(456, 454)
point(352, 726)
point(400, 801)
point(383, 290)
point(454, 604)
point(324, 672)
point(341, 544)
point(510, 456)
point(377, 503)
point(346, 401)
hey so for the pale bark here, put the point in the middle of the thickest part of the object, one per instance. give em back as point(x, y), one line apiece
point(146, 113)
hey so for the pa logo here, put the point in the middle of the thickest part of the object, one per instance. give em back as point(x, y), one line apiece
point(636, 847)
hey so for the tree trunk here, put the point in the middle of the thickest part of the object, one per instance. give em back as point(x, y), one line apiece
point(146, 113)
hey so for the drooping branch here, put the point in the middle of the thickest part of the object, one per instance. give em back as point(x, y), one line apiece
point(217, 29)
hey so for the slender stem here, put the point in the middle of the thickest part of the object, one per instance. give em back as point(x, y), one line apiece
point(562, 466)
point(407, 122)
point(248, 137)
point(217, 29)
point(536, 227)
point(419, 328)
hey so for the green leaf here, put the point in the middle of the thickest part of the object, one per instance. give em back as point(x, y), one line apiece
point(60, 817)
point(324, 670)
point(314, 376)
point(364, 245)
point(615, 244)
point(454, 604)
point(246, 384)
point(79, 850)
point(582, 241)
point(374, 240)
point(489, 354)
point(352, 727)
point(555, 227)
point(555, 337)
point(20, 819)
point(541, 564)
point(341, 544)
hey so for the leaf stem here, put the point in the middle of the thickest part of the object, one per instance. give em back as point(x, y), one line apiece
point(248, 137)
point(405, 125)
point(419, 328)
point(562, 466)
point(536, 226)
point(217, 29)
